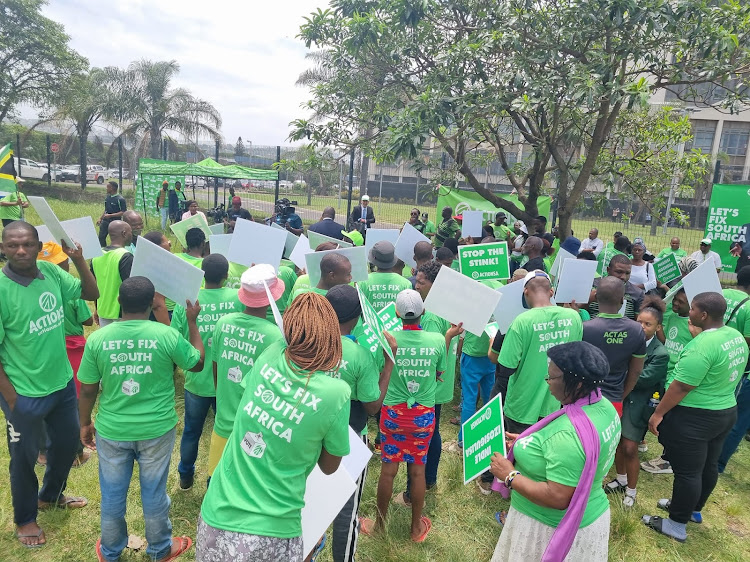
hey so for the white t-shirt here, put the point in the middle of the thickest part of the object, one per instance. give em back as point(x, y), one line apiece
point(700, 257)
point(643, 275)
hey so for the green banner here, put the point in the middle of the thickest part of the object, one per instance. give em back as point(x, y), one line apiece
point(374, 322)
point(461, 201)
point(666, 268)
point(483, 436)
point(728, 221)
point(148, 187)
point(483, 262)
point(391, 322)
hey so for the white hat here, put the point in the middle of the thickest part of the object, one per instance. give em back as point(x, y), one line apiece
point(365, 198)
point(409, 304)
point(252, 292)
point(706, 241)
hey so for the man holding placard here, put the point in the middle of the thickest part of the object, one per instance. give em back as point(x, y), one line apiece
point(449, 228)
point(200, 390)
point(407, 419)
point(110, 270)
point(619, 268)
point(335, 269)
point(36, 379)
point(386, 282)
point(522, 359)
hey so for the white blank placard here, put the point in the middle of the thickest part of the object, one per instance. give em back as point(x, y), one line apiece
point(220, 244)
point(375, 235)
point(509, 306)
point(173, 277)
point(324, 498)
point(254, 243)
point(356, 256)
point(217, 228)
point(291, 240)
point(458, 298)
point(703, 279)
point(471, 224)
point(316, 239)
point(44, 234)
point(575, 281)
point(82, 231)
point(49, 218)
point(406, 242)
point(301, 248)
point(359, 455)
point(562, 255)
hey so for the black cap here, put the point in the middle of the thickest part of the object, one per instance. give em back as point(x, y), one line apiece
point(345, 302)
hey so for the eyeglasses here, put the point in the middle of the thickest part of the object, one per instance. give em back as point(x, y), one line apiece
point(415, 214)
point(548, 378)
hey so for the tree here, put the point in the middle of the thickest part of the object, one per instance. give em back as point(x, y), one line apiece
point(148, 107)
point(35, 59)
point(553, 76)
point(310, 160)
point(239, 148)
point(87, 98)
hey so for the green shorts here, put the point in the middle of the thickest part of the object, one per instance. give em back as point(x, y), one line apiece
point(635, 415)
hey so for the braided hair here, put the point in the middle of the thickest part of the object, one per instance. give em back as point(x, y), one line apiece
point(312, 331)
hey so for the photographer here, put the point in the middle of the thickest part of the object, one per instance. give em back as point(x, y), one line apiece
point(286, 217)
point(236, 211)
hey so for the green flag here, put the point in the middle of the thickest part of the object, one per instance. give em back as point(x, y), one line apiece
point(7, 170)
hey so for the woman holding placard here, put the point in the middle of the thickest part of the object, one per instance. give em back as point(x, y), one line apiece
point(559, 508)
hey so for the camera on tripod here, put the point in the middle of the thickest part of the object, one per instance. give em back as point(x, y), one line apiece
point(217, 213)
point(284, 207)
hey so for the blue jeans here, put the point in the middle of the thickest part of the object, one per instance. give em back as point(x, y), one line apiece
point(740, 427)
point(476, 373)
point(115, 471)
point(164, 212)
point(433, 455)
point(196, 410)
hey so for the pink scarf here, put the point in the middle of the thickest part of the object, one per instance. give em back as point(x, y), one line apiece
point(565, 533)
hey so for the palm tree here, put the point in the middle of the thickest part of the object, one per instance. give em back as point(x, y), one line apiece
point(88, 98)
point(149, 107)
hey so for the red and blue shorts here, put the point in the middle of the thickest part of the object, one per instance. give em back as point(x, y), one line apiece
point(405, 433)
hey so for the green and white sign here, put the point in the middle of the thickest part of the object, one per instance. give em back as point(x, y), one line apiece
point(483, 262)
point(147, 189)
point(484, 435)
point(391, 322)
point(728, 221)
point(374, 322)
point(470, 200)
point(666, 268)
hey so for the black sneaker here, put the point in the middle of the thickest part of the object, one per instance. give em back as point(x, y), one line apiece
point(186, 482)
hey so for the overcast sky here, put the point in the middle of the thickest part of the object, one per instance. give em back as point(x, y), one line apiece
point(243, 57)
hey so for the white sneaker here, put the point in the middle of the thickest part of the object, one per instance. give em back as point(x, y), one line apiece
point(628, 501)
point(657, 466)
point(642, 447)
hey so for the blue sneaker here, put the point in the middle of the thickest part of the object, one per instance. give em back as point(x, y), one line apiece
point(696, 517)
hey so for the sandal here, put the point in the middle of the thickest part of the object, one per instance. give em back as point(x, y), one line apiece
point(427, 527)
point(500, 517)
point(38, 535)
point(614, 487)
point(99, 555)
point(65, 502)
point(656, 523)
point(185, 544)
point(366, 526)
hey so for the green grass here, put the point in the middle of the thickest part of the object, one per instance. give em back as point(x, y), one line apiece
point(464, 528)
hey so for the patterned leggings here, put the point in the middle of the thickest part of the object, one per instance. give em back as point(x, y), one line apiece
point(216, 545)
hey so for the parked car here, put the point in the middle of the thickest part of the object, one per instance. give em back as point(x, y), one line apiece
point(195, 181)
point(97, 173)
point(69, 173)
point(29, 169)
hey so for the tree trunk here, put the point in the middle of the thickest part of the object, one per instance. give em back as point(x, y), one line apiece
point(82, 140)
point(309, 193)
point(155, 144)
point(654, 223)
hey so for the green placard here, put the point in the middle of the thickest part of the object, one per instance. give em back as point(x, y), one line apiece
point(391, 322)
point(181, 228)
point(672, 292)
point(484, 435)
point(666, 268)
point(728, 221)
point(372, 320)
point(483, 262)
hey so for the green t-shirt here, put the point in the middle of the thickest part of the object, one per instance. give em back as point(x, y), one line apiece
point(215, 303)
point(197, 262)
point(525, 349)
point(712, 362)
point(12, 212)
point(502, 232)
point(283, 421)
point(676, 336)
point(235, 273)
point(359, 370)
point(289, 277)
point(106, 268)
point(419, 357)
point(237, 342)
point(447, 229)
point(381, 288)
point(435, 324)
point(605, 257)
point(302, 290)
point(32, 330)
point(76, 313)
point(303, 281)
point(679, 253)
point(133, 360)
point(555, 454)
point(741, 319)
point(478, 346)
point(429, 228)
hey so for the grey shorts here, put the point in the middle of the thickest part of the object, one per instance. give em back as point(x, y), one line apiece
point(216, 545)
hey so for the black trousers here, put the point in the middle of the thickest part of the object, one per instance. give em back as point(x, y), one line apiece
point(103, 231)
point(693, 439)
